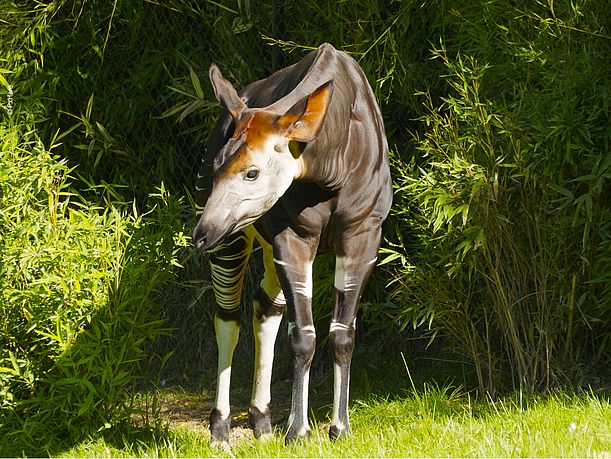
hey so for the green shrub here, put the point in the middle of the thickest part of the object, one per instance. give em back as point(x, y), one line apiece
point(78, 285)
point(509, 196)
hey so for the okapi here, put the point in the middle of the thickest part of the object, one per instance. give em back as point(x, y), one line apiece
point(299, 162)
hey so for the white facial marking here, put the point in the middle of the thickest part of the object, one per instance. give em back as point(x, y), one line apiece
point(277, 149)
point(239, 199)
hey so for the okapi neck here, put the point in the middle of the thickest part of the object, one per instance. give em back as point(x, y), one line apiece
point(326, 172)
point(323, 160)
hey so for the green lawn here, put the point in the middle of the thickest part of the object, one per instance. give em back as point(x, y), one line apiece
point(429, 422)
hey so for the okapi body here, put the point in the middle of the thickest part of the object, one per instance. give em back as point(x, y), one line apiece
point(299, 162)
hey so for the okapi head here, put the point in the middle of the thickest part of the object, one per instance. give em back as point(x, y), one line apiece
point(259, 162)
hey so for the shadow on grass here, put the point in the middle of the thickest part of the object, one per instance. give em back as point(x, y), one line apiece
point(378, 373)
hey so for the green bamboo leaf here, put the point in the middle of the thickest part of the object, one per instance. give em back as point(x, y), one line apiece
point(174, 110)
point(86, 406)
point(585, 178)
point(561, 190)
point(390, 257)
point(89, 108)
point(9, 370)
point(3, 80)
point(195, 82)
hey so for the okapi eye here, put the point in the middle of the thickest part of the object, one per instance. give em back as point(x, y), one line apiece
point(252, 174)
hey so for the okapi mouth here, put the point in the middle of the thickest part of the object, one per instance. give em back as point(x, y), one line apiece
point(208, 244)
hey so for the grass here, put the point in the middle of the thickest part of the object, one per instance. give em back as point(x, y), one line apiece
point(431, 422)
point(423, 412)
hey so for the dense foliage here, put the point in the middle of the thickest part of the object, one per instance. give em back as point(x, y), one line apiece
point(498, 119)
point(81, 271)
point(77, 295)
point(509, 194)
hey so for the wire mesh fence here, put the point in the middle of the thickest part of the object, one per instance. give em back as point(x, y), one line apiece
point(145, 107)
point(150, 106)
point(144, 101)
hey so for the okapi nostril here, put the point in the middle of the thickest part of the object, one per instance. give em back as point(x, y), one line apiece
point(198, 236)
point(198, 239)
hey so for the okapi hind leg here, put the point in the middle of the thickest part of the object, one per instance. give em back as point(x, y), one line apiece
point(228, 265)
point(268, 306)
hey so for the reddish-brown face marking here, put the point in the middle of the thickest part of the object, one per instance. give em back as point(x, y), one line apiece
point(256, 127)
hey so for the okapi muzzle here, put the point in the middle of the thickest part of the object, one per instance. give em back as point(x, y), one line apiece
point(259, 162)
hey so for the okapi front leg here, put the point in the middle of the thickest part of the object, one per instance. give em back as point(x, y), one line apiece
point(228, 264)
point(341, 338)
point(294, 266)
point(227, 334)
point(351, 274)
point(268, 306)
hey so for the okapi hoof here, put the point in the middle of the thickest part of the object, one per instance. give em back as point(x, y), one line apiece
point(260, 422)
point(335, 433)
point(221, 446)
point(294, 436)
point(219, 427)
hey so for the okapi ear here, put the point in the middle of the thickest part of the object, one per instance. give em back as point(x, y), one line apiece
point(302, 122)
point(226, 93)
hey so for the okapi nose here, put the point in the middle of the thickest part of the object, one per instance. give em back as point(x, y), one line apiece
point(199, 237)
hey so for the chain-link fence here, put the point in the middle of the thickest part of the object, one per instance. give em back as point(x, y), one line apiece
point(151, 104)
point(139, 89)
point(145, 103)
